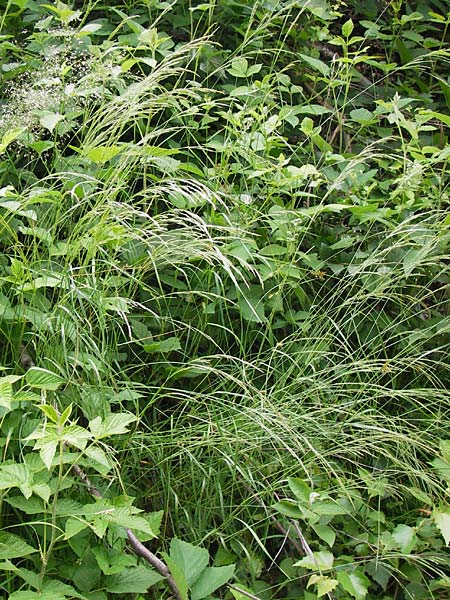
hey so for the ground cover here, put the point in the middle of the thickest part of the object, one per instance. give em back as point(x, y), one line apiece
point(224, 310)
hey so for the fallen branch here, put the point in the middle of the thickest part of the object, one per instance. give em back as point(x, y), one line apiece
point(138, 547)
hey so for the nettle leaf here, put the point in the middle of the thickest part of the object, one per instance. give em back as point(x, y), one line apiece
point(325, 585)
point(356, 584)
point(47, 453)
point(6, 394)
point(210, 580)
point(12, 546)
point(135, 580)
point(101, 461)
point(17, 475)
point(115, 424)
point(43, 379)
point(73, 527)
point(102, 154)
point(441, 518)
point(30, 506)
point(191, 559)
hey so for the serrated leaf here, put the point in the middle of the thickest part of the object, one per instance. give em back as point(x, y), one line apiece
point(102, 154)
point(210, 580)
point(50, 412)
point(10, 136)
point(191, 559)
point(102, 464)
point(74, 526)
point(43, 379)
point(325, 584)
point(47, 453)
point(30, 506)
point(356, 584)
point(135, 580)
point(441, 518)
point(6, 394)
point(16, 475)
point(115, 424)
point(12, 546)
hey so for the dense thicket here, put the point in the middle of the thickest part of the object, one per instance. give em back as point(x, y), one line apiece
point(224, 308)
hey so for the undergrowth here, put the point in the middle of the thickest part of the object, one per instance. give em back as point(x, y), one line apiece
point(224, 313)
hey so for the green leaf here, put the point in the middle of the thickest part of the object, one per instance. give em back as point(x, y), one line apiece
point(405, 537)
point(210, 580)
point(10, 136)
point(168, 345)
point(178, 576)
point(135, 580)
point(102, 154)
point(115, 424)
point(288, 508)
point(16, 475)
point(325, 585)
point(101, 461)
point(319, 561)
point(316, 64)
point(74, 526)
point(191, 559)
point(251, 305)
point(325, 533)
point(12, 546)
point(347, 28)
point(356, 584)
point(300, 488)
point(47, 453)
point(43, 379)
point(49, 120)
point(441, 518)
point(30, 506)
point(6, 394)
point(362, 116)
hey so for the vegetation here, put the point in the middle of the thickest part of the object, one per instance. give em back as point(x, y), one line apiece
point(224, 307)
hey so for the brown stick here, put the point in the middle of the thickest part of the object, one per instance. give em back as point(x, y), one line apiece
point(138, 547)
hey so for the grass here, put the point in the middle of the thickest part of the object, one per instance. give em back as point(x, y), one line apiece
point(268, 307)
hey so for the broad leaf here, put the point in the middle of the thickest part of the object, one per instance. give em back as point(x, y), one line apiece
point(135, 580)
point(441, 519)
point(192, 560)
point(356, 583)
point(12, 546)
point(210, 580)
point(43, 379)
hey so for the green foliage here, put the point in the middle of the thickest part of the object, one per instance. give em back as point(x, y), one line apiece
point(224, 241)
